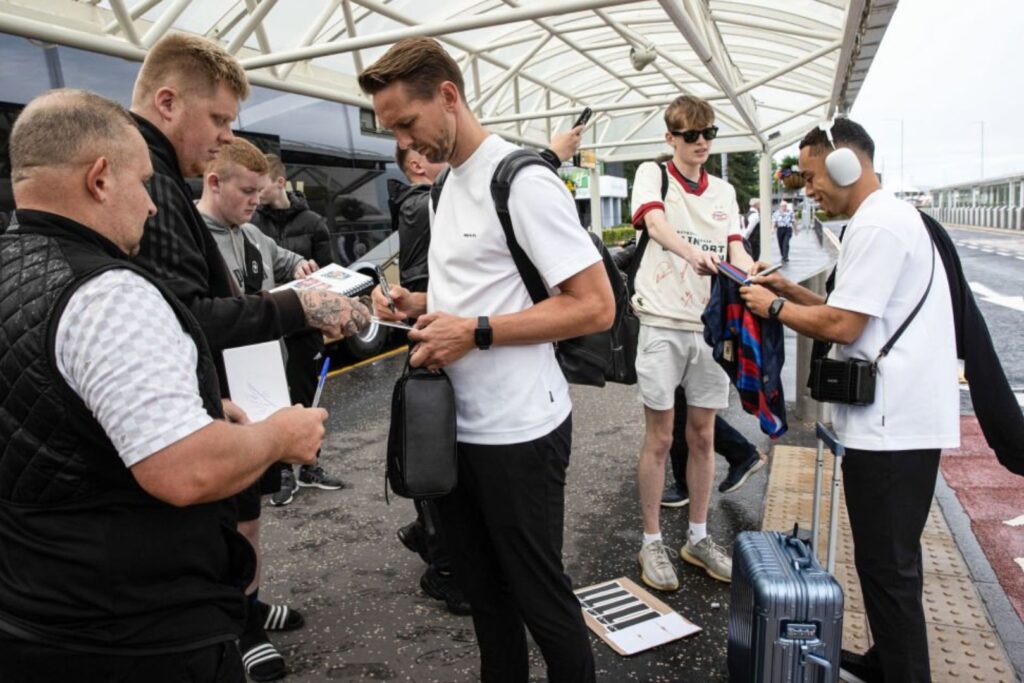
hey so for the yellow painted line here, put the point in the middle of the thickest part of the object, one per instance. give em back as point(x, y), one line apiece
point(386, 354)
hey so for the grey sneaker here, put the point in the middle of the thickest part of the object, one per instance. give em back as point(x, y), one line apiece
point(712, 557)
point(316, 477)
point(286, 493)
point(656, 567)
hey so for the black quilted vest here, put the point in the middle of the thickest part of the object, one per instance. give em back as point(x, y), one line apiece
point(88, 559)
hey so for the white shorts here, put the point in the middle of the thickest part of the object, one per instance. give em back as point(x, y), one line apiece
point(666, 359)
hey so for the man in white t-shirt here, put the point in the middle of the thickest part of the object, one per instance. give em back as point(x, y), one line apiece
point(694, 227)
point(892, 445)
point(477, 321)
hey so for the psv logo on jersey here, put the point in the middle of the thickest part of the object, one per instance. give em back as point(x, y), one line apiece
point(719, 215)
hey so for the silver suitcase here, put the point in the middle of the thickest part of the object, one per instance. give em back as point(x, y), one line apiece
point(786, 612)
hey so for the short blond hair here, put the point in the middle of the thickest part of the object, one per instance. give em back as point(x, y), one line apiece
point(688, 113)
point(275, 167)
point(67, 126)
point(200, 64)
point(238, 153)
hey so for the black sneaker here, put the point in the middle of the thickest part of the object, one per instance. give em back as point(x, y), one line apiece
point(315, 477)
point(286, 493)
point(441, 587)
point(413, 537)
point(739, 474)
point(675, 496)
point(860, 668)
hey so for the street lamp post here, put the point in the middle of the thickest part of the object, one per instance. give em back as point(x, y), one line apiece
point(903, 187)
point(982, 124)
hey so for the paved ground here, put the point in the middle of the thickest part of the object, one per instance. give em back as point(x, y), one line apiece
point(334, 554)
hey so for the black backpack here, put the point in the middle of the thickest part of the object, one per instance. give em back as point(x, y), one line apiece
point(591, 359)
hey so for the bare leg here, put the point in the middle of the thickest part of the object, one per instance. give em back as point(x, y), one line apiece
point(700, 469)
point(651, 468)
point(251, 530)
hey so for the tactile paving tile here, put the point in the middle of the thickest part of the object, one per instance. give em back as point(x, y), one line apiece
point(963, 654)
point(856, 637)
point(961, 642)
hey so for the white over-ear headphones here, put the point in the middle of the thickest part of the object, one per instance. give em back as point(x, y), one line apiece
point(842, 163)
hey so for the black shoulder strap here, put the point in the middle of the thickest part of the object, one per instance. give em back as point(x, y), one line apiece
point(435, 189)
point(501, 189)
point(641, 244)
point(913, 314)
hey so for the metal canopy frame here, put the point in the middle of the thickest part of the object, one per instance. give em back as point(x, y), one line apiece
point(770, 68)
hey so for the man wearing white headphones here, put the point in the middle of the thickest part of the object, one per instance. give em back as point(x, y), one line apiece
point(888, 273)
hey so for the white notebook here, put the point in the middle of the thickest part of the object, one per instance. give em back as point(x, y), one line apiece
point(256, 379)
point(333, 278)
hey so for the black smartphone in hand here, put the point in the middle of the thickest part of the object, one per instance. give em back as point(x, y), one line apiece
point(584, 117)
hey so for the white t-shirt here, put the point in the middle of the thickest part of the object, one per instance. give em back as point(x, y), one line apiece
point(506, 394)
point(120, 347)
point(669, 293)
point(883, 269)
point(753, 220)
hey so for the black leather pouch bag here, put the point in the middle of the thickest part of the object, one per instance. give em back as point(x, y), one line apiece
point(421, 459)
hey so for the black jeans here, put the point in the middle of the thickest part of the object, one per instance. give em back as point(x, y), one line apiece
point(784, 235)
point(504, 522)
point(729, 442)
point(888, 495)
point(25, 662)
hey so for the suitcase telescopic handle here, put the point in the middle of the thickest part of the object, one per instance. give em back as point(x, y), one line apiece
point(830, 439)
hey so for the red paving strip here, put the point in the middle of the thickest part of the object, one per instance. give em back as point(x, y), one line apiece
point(990, 495)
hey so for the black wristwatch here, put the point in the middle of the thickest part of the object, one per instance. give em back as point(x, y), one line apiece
point(775, 307)
point(484, 336)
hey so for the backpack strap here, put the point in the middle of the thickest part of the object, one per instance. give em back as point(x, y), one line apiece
point(437, 186)
point(501, 189)
point(641, 244)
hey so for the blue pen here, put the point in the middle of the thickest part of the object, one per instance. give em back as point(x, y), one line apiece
point(320, 384)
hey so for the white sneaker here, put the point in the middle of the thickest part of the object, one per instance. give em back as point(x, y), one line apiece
point(712, 557)
point(656, 567)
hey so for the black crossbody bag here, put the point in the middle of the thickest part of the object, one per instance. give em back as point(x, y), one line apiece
point(421, 458)
point(852, 381)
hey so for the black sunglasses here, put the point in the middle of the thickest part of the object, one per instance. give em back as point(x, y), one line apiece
point(690, 136)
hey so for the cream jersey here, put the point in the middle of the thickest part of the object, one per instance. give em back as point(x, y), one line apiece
point(668, 291)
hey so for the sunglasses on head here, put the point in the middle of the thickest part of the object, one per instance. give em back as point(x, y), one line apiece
point(690, 136)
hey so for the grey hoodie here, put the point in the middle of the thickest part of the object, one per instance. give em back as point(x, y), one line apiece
point(278, 263)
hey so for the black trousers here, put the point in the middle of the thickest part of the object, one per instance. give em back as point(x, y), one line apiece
point(428, 516)
point(727, 441)
point(888, 495)
point(25, 662)
point(784, 235)
point(504, 522)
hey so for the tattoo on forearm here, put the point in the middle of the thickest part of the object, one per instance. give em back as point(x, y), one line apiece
point(327, 311)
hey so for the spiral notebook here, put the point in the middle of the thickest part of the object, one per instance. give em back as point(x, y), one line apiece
point(331, 278)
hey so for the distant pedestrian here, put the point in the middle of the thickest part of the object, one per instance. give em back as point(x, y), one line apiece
point(783, 220)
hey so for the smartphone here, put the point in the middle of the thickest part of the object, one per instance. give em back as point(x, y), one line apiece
point(584, 117)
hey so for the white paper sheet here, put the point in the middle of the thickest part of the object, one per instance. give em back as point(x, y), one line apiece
point(664, 629)
point(256, 378)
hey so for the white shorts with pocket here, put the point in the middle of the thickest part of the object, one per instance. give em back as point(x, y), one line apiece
point(666, 359)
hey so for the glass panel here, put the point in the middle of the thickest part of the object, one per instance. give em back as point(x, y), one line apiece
point(111, 77)
point(23, 72)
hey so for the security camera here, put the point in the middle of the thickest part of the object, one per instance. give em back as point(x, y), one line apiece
point(642, 55)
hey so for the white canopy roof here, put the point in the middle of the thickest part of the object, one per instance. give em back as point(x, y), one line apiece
point(771, 68)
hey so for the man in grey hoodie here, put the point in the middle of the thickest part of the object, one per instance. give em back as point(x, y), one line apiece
point(231, 192)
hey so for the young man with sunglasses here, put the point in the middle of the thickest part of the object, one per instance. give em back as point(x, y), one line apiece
point(691, 229)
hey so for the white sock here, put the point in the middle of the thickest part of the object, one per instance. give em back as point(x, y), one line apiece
point(698, 532)
point(651, 538)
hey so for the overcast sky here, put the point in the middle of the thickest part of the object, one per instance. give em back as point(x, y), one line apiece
point(944, 67)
